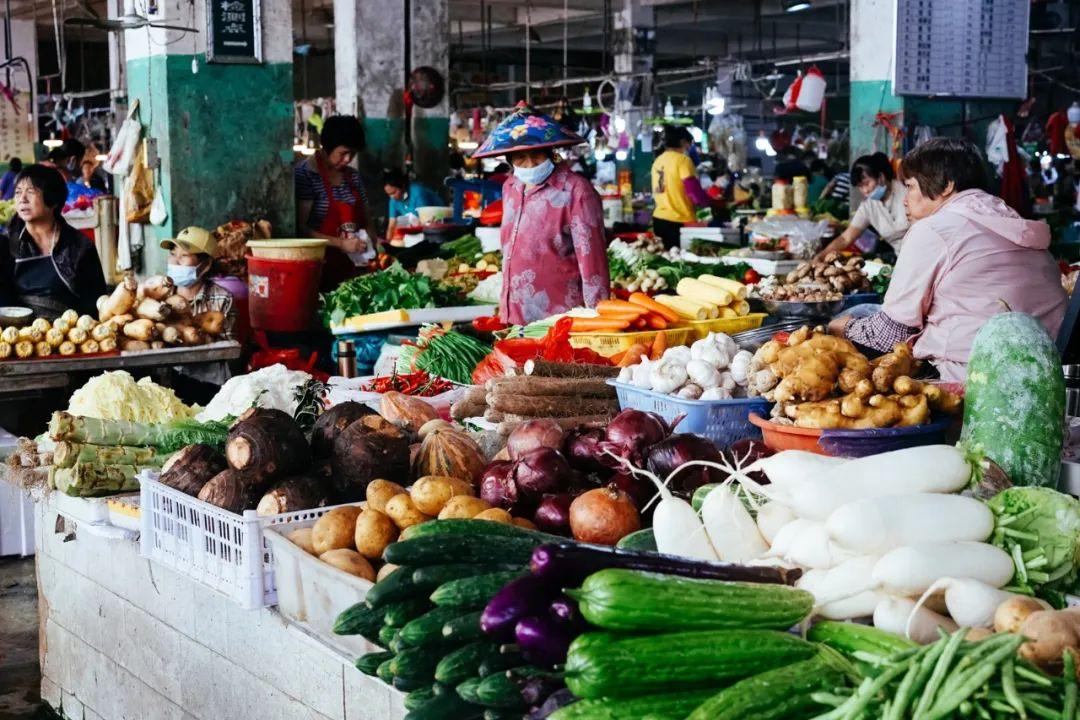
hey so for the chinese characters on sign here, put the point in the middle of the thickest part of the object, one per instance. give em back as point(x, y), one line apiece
point(965, 48)
point(234, 31)
point(16, 129)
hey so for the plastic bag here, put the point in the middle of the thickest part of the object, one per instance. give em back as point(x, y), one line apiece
point(140, 190)
point(122, 153)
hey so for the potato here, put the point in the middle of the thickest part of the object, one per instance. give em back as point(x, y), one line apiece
point(524, 523)
point(401, 510)
point(385, 570)
point(335, 529)
point(380, 491)
point(430, 494)
point(1050, 632)
point(302, 539)
point(349, 561)
point(374, 531)
point(1012, 613)
point(495, 515)
point(463, 507)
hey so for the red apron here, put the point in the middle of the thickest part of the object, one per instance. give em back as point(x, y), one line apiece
point(338, 266)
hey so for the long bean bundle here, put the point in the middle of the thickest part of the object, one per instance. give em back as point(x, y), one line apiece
point(448, 354)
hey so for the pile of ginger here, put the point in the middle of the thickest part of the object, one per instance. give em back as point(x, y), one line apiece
point(820, 381)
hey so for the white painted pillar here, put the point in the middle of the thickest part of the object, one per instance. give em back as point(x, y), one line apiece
point(873, 24)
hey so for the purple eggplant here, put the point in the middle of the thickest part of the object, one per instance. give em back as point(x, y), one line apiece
point(529, 595)
point(558, 699)
point(535, 690)
point(564, 610)
point(568, 564)
point(543, 641)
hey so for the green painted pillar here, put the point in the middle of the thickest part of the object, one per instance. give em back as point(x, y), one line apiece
point(223, 132)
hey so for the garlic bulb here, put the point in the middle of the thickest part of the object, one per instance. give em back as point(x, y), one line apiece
point(679, 352)
point(626, 375)
point(667, 375)
point(689, 391)
point(727, 382)
point(702, 374)
point(642, 377)
point(740, 366)
point(716, 393)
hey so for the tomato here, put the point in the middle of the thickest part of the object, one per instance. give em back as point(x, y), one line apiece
point(751, 277)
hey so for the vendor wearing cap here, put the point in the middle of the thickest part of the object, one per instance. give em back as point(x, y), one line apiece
point(554, 250)
point(191, 255)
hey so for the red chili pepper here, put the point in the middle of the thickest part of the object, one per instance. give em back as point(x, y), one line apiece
point(751, 277)
point(489, 323)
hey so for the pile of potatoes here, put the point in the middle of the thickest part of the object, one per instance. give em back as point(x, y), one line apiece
point(352, 538)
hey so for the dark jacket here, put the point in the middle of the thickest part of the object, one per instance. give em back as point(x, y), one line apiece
point(76, 261)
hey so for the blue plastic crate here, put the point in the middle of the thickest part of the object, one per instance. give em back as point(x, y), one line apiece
point(721, 421)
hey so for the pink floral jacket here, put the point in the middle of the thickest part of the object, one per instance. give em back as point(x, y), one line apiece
point(554, 250)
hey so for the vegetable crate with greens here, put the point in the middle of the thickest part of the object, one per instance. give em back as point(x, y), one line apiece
point(391, 289)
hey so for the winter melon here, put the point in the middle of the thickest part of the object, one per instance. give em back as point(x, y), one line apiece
point(1014, 402)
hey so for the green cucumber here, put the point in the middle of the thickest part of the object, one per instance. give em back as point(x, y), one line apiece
point(640, 540)
point(602, 664)
point(400, 612)
point(500, 663)
point(427, 579)
point(419, 698)
point(370, 662)
point(636, 601)
point(428, 628)
point(1014, 399)
point(447, 528)
point(397, 644)
point(473, 592)
point(434, 549)
point(698, 498)
point(384, 673)
point(668, 706)
point(499, 691)
point(467, 690)
point(359, 620)
point(447, 706)
point(464, 628)
point(386, 635)
point(407, 685)
point(398, 585)
point(415, 664)
point(464, 663)
point(849, 638)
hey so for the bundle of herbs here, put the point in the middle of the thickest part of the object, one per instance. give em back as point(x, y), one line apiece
point(394, 288)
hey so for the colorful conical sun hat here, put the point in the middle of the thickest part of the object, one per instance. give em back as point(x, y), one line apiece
point(526, 129)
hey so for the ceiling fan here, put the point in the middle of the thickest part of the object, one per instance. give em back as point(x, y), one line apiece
point(128, 21)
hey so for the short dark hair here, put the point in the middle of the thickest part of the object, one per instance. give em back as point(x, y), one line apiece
point(941, 160)
point(15, 164)
point(73, 148)
point(819, 166)
point(342, 131)
point(57, 155)
point(394, 178)
point(874, 166)
point(675, 135)
point(49, 182)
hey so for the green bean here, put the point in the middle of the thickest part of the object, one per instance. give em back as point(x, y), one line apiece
point(1068, 676)
point(1029, 672)
point(831, 699)
point(963, 685)
point(981, 711)
point(941, 668)
point(1041, 711)
point(866, 692)
point(907, 685)
point(1008, 684)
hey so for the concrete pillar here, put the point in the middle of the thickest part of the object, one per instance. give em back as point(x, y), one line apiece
point(634, 55)
point(117, 75)
point(224, 132)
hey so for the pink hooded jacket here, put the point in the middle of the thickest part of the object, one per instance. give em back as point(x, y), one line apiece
point(958, 264)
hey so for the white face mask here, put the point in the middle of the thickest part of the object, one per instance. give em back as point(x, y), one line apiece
point(534, 175)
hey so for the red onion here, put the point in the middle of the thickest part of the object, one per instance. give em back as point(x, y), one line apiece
point(541, 471)
point(745, 452)
point(533, 434)
point(603, 516)
point(583, 449)
point(640, 490)
point(497, 485)
point(672, 453)
point(632, 431)
point(553, 514)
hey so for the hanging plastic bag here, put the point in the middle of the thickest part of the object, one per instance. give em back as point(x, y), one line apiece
point(122, 153)
point(158, 212)
point(997, 147)
point(140, 189)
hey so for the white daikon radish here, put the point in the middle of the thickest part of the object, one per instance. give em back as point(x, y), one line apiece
point(892, 615)
point(927, 469)
point(792, 466)
point(911, 570)
point(733, 533)
point(805, 543)
point(771, 517)
point(880, 524)
point(677, 528)
point(847, 580)
point(859, 606)
point(969, 602)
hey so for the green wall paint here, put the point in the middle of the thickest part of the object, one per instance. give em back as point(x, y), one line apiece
point(868, 98)
point(225, 140)
point(386, 148)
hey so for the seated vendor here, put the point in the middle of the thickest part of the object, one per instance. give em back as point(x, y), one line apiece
point(405, 197)
point(966, 254)
point(45, 264)
point(882, 208)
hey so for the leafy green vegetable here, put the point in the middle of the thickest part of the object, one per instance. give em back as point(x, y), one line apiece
point(880, 282)
point(449, 354)
point(1040, 529)
point(391, 289)
point(468, 246)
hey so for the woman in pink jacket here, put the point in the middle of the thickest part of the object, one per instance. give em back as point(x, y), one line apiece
point(966, 253)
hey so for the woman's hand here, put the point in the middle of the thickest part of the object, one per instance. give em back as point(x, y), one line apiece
point(838, 325)
point(352, 244)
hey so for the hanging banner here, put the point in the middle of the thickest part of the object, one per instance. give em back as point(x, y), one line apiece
point(16, 128)
point(233, 31)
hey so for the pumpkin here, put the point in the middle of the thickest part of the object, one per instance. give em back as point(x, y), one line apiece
point(449, 453)
point(406, 412)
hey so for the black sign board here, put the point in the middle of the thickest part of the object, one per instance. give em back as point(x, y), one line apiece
point(234, 31)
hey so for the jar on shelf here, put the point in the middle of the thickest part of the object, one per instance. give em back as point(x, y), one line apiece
point(780, 197)
point(801, 192)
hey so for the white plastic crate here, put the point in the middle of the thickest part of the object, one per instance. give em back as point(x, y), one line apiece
point(220, 549)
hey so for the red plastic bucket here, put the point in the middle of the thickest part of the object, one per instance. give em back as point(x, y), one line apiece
point(282, 294)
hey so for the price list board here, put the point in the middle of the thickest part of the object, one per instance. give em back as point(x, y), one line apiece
point(233, 31)
point(963, 48)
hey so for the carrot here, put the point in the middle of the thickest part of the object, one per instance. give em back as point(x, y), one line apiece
point(597, 324)
point(659, 345)
point(619, 306)
point(643, 300)
point(640, 323)
point(620, 314)
point(633, 355)
point(655, 321)
point(617, 357)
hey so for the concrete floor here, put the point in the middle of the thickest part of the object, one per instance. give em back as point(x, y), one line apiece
point(20, 676)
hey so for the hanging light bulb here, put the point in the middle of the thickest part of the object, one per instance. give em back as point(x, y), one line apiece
point(621, 155)
point(53, 141)
point(586, 101)
point(298, 147)
point(763, 145)
point(669, 110)
point(601, 154)
point(619, 123)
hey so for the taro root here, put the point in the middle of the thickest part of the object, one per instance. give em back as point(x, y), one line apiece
point(192, 467)
point(265, 444)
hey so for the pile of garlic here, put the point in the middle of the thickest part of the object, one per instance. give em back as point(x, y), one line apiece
point(713, 368)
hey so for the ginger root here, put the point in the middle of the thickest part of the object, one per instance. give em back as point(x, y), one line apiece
point(811, 365)
point(889, 367)
point(939, 399)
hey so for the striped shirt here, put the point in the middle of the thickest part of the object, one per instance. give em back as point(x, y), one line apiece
point(841, 186)
point(310, 187)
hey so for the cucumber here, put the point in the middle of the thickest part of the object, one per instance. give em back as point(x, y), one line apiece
point(636, 601)
point(698, 498)
point(668, 706)
point(419, 698)
point(384, 673)
point(434, 549)
point(500, 663)
point(464, 663)
point(776, 694)
point(370, 662)
point(464, 628)
point(640, 540)
point(407, 685)
point(446, 528)
point(397, 644)
point(849, 638)
point(428, 628)
point(386, 635)
point(427, 579)
point(398, 585)
point(467, 690)
point(602, 664)
point(415, 664)
point(499, 691)
point(1014, 399)
point(400, 612)
point(359, 620)
point(447, 706)
point(473, 592)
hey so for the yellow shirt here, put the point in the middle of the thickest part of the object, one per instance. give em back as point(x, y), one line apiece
point(668, 172)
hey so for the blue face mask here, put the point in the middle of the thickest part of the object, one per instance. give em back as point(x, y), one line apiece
point(878, 194)
point(534, 175)
point(183, 275)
